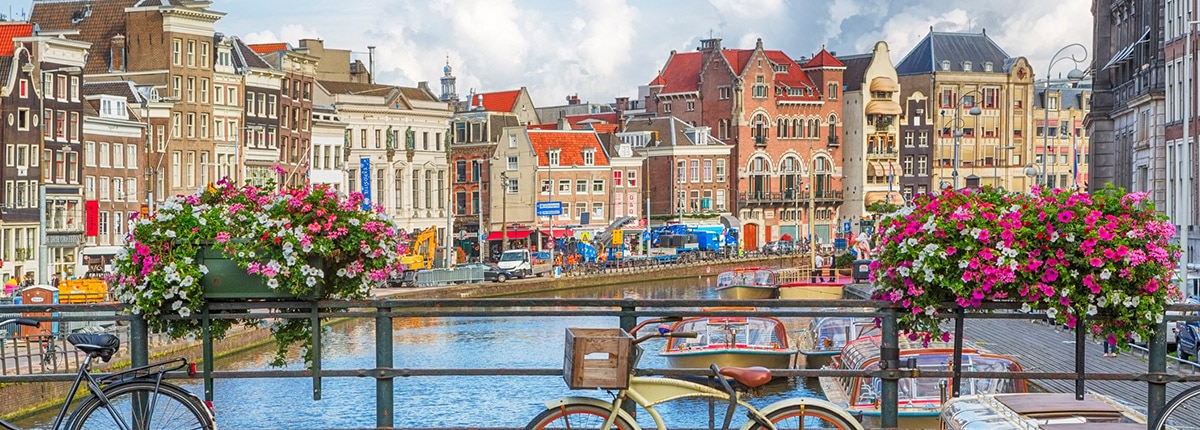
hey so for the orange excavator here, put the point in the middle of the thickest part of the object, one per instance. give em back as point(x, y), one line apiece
point(420, 253)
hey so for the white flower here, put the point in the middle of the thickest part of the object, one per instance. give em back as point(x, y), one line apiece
point(1051, 312)
point(185, 312)
point(1026, 308)
point(1070, 237)
point(962, 264)
point(1106, 274)
point(273, 283)
point(176, 305)
point(1092, 310)
point(1102, 301)
point(203, 269)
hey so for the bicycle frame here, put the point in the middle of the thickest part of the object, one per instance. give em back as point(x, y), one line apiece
point(650, 391)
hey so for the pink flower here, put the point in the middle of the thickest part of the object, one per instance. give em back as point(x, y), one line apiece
point(1066, 216)
point(1095, 262)
point(950, 250)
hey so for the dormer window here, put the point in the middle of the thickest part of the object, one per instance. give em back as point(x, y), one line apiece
point(553, 158)
point(945, 64)
point(987, 67)
point(589, 157)
point(966, 66)
point(780, 68)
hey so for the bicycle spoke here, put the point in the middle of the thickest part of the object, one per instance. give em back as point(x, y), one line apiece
point(1184, 415)
point(140, 409)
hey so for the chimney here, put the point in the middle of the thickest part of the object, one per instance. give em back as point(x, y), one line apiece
point(573, 99)
point(562, 120)
point(116, 54)
point(621, 106)
point(371, 60)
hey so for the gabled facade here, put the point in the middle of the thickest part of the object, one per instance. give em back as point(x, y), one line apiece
point(299, 68)
point(260, 151)
point(687, 170)
point(165, 44)
point(1067, 161)
point(784, 121)
point(871, 157)
point(473, 140)
point(948, 75)
point(328, 142)
point(229, 90)
point(113, 158)
point(20, 101)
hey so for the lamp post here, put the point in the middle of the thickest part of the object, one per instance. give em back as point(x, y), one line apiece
point(503, 211)
point(1073, 75)
point(550, 162)
point(479, 208)
point(996, 162)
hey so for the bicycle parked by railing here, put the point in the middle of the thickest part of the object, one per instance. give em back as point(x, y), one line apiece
point(1182, 412)
point(647, 392)
point(134, 399)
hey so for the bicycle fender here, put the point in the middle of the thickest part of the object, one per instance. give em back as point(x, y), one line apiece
point(592, 402)
point(807, 402)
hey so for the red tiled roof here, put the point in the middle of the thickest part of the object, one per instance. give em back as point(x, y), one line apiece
point(609, 117)
point(682, 74)
point(570, 144)
point(658, 80)
point(823, 59)
point(603, 128)
point(267, 48)
point(500, 101)
point(737, 59)
point(10, 30)
point(551, 126)
point(794, 78)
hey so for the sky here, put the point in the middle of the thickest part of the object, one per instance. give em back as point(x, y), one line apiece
point(602, 49)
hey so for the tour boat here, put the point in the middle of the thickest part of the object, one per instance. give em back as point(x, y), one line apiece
point(729, 341)
point(827, 335)
point(747, 283)
point(919, 398)
point(1044, 411)
point(799, 284)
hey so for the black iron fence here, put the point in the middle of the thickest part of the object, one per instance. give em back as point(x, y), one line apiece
point(628, 312)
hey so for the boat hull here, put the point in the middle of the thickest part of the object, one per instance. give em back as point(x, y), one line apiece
point(909, 417)
point(810, 291)
point(771, 359)
point(747, 292)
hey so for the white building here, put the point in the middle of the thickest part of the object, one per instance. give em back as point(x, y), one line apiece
point(328, 139)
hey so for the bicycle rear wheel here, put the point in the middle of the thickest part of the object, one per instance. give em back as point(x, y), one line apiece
point(808, 417)
point(137, 405)
point(1182, 412)
point(575, 416)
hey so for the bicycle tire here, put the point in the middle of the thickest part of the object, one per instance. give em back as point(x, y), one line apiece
point(575, 416)
point(173, 409)
point(808, 417)
point(1174, 405)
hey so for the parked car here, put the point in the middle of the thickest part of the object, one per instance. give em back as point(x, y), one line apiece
point(1187, 339)
point(779, 247)
point(491, 273)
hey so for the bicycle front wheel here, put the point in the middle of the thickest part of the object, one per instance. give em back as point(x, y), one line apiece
point(1182, 412)
point(808, 417)
point(138, 405)
point(575, 416)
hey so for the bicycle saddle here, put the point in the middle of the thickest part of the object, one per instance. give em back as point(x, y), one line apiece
point(751, 377)
point(103, 345)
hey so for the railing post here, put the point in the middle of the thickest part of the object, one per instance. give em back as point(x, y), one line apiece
point(206, 343)
point(139, 349)
point(628, 321)
point(1080, 354)
point(956, 388)
point(315, 322)
point(1156, 396)
point(889, 355)
point(384, 388)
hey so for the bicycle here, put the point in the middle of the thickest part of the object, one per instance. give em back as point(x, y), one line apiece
point(49, 352)
point(1180, 403)
point(647, 392)
point(136, 398)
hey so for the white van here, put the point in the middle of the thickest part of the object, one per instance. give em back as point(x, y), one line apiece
point(520, 263)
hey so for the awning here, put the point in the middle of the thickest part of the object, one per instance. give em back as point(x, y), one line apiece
point(514, 234)
point(884, 84)
point(1124, 54)
point(559, 233)
point(885, 196)
point(883, 107)
point(873, 169)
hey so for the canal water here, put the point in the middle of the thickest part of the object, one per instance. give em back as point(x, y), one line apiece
point(451, 402)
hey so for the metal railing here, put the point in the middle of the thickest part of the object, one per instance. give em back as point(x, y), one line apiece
point(628, 312)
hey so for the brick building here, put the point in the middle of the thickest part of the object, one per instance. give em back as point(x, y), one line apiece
point(784, 121)
point(167, 44)
point(296, 152)
point(686, 173)
point(114, 145)
point(260, 148)
point(21, 106)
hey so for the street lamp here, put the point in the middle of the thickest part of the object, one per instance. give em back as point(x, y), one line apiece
point(996, 162)
point(1074, 75)
point(503, 211)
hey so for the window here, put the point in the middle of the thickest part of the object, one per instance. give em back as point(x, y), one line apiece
point(204, 126)
point(598, 186)
point(948, 99)
point(512, 141)
point(923, 165)
point(833, 89)
point(724, 93)
point(73, 129)
point(666, 107)
point(908, 165)
point(691, 105)
point(131, 156)
point(694, 169)
point(680, 171)
point(177, 51)
point(760, 87)
point(233, 96)
point(47, 130)
point(177, 87)
point(512, 162)
point(176, 169)
point(597, 210)
point(73, 167)
point(23, 88)
point(89, 188)
point(552, 158)
point(47, 175)
point(513, 186)
point(990, 97)
point(204, 86)
point(191, 53)
point(60, 124)
point(23, 118)
point(191, 89)
point(190, 168)
point(218, 94)
point(191, 125)
point(204, 54)
point(631, 176)
point(581, 186)
point(89, 154)
point(261, 98)
point(118, 155)
point(271, 106)
point(104, 218)
point(131, 190)
point(617, 179)
point(75, 88)
point(589, 157)
point(720, 170)
point(545, 186)
point(104, 194)
point(104, 155)
point(564, 186)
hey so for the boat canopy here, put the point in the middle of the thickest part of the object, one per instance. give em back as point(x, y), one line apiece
point(755, 277)
point(733, 331)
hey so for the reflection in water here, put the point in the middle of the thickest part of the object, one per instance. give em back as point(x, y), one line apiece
point(459, 402)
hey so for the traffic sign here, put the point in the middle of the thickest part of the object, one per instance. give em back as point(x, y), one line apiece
point(549, 208)
point(846, 226)
point(618, 237)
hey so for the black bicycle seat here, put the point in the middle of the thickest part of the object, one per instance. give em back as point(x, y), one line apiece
point(103, 345)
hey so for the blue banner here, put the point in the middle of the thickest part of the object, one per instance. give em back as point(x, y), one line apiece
point(365, 177)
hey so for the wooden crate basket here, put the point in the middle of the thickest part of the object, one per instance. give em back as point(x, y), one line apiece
point(597, 358)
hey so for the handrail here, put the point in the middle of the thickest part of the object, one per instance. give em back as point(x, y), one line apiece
point(629, 310)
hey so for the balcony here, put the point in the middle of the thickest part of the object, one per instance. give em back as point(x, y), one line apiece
point(880, 152)
point(752, 198)
point(833, 141)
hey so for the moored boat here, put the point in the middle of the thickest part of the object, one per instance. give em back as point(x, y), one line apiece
point(800, 284)
point(747, 283)
point(1039, 411)
point(737, 341)
point(826, 337)
point(919, 398)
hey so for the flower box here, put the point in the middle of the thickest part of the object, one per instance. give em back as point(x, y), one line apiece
point(226, 281)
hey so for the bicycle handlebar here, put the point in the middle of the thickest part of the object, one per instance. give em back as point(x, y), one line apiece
point(663, 330)
point(22, 321)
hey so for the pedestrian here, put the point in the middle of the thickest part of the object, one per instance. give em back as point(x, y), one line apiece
point(818, 265)
point(1109, 350)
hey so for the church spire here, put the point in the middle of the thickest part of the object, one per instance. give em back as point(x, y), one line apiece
point(449, 93)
